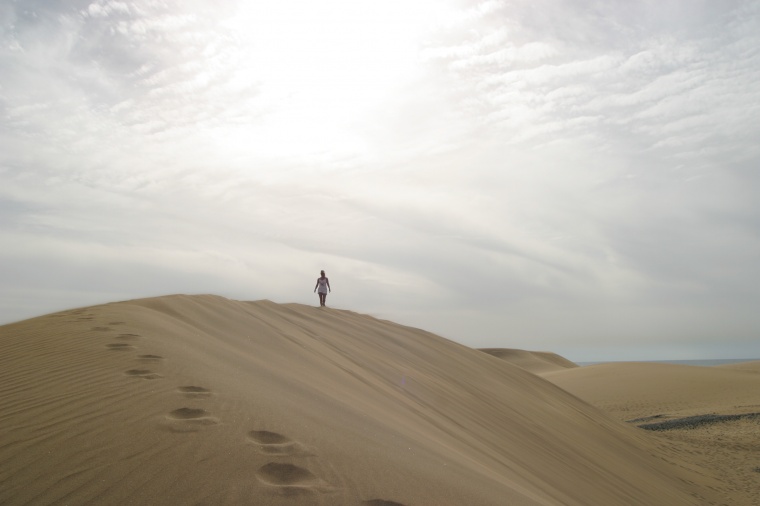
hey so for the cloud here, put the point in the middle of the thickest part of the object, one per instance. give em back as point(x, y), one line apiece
point(500, 172)
point(105, 9)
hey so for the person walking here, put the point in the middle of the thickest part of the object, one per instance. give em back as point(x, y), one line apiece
point(323, 284)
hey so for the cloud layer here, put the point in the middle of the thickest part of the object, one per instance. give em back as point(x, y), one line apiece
point(552, 175)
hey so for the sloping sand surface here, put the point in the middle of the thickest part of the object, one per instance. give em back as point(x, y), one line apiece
point(753, 366)
point(635, 390)
point(537, 362)
point(711, 415)
point(202, 400)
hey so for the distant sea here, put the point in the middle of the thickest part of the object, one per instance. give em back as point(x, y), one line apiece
point(707, 363)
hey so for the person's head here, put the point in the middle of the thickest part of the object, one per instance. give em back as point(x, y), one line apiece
point(322, 272)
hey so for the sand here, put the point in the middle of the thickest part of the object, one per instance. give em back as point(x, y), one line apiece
point(710, 416)
point(203, 400)
point(537, 362)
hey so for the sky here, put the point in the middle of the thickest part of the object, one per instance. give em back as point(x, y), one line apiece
point(564, 175)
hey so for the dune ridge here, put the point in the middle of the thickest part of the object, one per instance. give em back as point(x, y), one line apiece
point(205, 400)
point(537, 362)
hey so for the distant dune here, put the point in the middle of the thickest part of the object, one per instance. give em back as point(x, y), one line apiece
point(202, 400)
point(710, 414)
point(645, 389)
point(753, 366)
point(537, 362)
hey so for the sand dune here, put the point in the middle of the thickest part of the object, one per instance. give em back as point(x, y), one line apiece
point(203, 400)
point(635, 390)
point(537, 362)
point(753, 366)
point(709, 414)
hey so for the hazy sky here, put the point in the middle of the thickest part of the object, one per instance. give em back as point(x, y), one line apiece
point(565, 175)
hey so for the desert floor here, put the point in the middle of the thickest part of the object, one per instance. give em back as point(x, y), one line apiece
point(204, 400)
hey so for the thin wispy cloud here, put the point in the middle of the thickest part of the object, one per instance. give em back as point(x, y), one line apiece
point(554, 175)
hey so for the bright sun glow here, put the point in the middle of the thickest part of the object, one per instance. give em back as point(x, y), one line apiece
point(322, 65)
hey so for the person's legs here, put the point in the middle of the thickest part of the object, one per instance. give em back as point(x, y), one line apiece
point(321, 299)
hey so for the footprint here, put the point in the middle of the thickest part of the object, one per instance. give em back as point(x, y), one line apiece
point(150, 358)
point(127, 336)
point(189, 419)
point(143, 373)
point(120, 347)
point(381, 502)
point(189, 414)
point(265, 437)
point(284, 474)
point(101, 329)
point(290, 479)
point(272, 443)
point(193, 391)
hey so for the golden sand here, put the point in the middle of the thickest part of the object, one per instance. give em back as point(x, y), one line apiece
point(203, 400)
